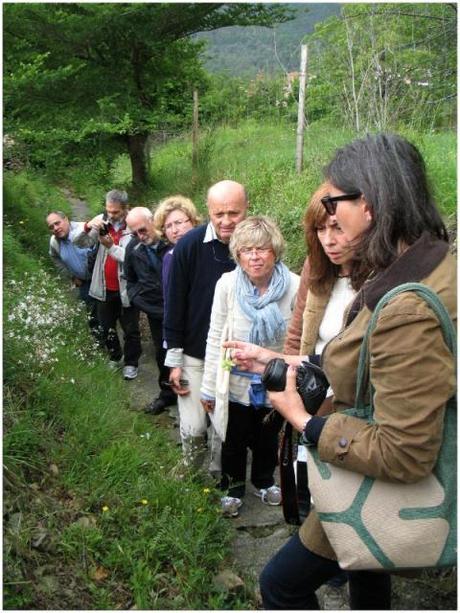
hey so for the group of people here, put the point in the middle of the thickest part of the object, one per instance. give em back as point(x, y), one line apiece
point(221, 304)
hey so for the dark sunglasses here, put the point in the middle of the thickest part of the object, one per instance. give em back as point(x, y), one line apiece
point(330, 202)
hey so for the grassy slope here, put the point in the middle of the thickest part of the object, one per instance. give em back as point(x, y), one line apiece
point(95, 514)
point(71, 448)
point(261, 156)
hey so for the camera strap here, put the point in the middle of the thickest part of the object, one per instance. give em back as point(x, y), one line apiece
point(294, 483)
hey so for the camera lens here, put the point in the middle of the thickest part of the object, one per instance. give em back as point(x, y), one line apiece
point(274, 375)
point(311, 382)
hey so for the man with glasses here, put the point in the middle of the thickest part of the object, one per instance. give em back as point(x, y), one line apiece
point(199, 260)
point(111, 236)
point(142, 270)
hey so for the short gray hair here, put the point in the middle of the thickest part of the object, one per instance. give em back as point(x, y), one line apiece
point(257, 231)
point(117, 196)
point(58, 213)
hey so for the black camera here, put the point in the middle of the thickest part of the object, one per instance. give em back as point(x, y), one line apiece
point(311, 382)
point(104, 230)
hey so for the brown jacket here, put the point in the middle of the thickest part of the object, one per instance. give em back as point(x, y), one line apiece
point(313, 314)
point(294, 333)
point(412, 371)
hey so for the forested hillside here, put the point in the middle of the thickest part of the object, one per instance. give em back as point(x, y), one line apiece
point(240, 51)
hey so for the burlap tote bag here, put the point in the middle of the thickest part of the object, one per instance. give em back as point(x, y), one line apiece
point(372, 524)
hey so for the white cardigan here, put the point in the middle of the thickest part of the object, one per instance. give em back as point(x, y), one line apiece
point(221, 310)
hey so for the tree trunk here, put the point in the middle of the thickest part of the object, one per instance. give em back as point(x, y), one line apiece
point(137, 154)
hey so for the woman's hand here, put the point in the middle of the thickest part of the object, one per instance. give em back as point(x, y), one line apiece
point(248, 356)
point(289, 403)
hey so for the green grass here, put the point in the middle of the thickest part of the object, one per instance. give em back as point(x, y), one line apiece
point(98, 513)
point(95, 514)
point(262, 157)
point(114, 505)
point(28, 198)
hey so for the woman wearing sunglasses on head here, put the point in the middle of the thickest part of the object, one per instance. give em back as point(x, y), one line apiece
point(380, 197)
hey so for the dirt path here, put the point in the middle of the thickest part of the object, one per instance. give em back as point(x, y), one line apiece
point(80, 209)
point(260, 530)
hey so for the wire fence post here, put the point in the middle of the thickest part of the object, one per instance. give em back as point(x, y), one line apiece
point(301, 119)
point(195, 138)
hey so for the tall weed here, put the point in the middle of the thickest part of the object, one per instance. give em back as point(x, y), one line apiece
point(262, 157)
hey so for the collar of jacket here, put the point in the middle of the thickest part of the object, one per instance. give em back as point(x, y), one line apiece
point(159, 246)
point(416, 263)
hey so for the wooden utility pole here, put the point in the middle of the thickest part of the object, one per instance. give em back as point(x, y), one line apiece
point(195, 137)
point(301, 112)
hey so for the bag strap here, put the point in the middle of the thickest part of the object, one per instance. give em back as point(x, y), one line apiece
point(287, 478)
point(231, 309)
point(447, 328)
point(294, 484)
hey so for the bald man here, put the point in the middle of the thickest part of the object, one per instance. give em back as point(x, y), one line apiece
point(200, 258)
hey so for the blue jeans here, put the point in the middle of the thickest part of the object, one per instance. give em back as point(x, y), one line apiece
point(292, 576)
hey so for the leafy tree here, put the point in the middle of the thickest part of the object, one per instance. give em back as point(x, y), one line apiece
point(383, 64)
point(85, 77)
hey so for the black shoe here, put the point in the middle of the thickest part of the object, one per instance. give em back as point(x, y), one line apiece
point(156, 407)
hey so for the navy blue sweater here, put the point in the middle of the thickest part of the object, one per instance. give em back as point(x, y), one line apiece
point(196, 268)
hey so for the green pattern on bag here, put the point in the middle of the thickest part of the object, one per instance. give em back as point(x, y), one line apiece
point(445, 469)
point(352, 515)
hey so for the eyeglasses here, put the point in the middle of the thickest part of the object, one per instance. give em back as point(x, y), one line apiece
point(330, 202)
point(248, 251)
point(140, 231)
point(175, 224)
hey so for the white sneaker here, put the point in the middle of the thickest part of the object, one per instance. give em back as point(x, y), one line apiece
point(130, 372)
point(230, 506)
point(270, 495)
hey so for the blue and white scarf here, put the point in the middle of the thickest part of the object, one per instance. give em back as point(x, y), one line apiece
point(268, 325)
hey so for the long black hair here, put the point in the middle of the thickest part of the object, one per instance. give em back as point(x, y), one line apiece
point(390, 173)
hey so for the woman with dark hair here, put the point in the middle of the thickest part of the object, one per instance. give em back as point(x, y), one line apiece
point(380, 197)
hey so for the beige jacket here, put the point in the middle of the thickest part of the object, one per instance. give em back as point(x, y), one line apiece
point(294, 333)
point(412, 371)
